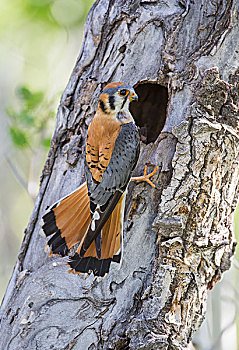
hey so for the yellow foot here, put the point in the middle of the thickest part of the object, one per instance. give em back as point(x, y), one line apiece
point(146, 176)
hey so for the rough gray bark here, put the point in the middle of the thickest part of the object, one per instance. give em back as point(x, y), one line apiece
point(178, 237)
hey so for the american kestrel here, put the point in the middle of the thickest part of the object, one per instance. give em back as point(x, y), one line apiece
point(93, 214)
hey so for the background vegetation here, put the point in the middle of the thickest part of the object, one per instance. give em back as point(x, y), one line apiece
point(39, 44)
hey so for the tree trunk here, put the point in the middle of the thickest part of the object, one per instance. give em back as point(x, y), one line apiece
point(182, 57)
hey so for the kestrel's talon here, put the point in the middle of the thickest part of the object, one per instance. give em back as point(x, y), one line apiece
point(145, 169)
point(146, 176)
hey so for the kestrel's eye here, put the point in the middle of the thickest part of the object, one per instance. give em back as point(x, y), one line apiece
point(123, 92)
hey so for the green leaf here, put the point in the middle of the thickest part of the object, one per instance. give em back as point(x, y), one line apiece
point(19, 137)
point(23, 92)
point(46, 142)
point(26, 119)
point(31, 100)
point(11, 113)
point(35, 100)
point(40, 10)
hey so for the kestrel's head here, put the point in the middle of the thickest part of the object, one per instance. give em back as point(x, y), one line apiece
point(116, 97)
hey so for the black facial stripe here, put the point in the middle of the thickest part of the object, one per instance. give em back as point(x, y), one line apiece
point(125, 99)
point(102, 106)
point(112, 102)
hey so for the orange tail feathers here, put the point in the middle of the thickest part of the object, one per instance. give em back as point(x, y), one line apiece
point(68, 221)
point(112, 242)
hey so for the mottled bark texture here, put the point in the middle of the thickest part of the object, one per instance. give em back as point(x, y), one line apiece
point(182, 57)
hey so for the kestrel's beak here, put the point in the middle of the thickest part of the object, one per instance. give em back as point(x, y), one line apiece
point(133, 97)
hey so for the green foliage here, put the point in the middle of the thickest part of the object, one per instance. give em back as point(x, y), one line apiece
point(52, 14)
point(31, 100)
point(39, 43)
point(40, 9)
point(35, 29)
point(19, 137)
point(46, 142)
point(29, 123)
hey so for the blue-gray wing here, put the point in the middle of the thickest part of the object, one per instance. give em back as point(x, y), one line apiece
point(118, 172)
point(105, 195)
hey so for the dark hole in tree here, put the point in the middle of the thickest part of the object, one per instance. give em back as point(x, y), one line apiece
point(150, 111)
